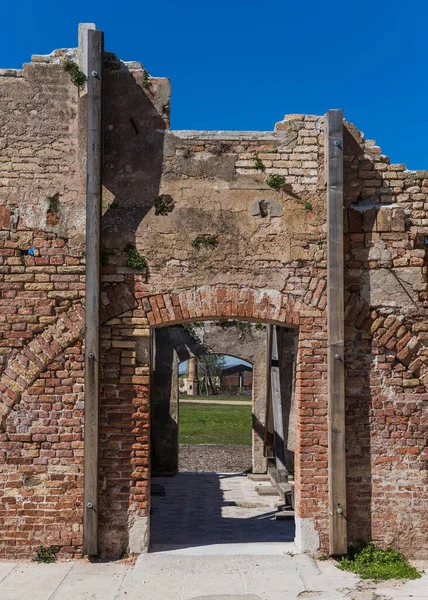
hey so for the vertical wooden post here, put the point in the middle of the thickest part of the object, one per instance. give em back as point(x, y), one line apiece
point(92, 326)
point(278, 420)
point(268, 417)
point(336, 332)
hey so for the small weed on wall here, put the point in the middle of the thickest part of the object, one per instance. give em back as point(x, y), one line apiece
point(76, 75)
point(205, 241)
point(146, 80)
point(164, 204)
point(46, 555)
point(275, 181)
point(105, 257)
point(134, 259)
point(258, 164)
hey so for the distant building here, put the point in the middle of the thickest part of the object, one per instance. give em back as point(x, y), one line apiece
point(236, 379)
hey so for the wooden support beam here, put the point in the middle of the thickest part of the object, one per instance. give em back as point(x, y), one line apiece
point(92, 329)
point(268, 388)
point(278, 420)
point(335, 325)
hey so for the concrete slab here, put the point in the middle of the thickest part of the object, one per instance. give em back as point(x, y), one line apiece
point(177, 577)
point(6, 569)
point(33, 581)
point(190, 578)
point(92, 581)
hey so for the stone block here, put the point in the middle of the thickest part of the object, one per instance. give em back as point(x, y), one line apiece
point(398, 220)
point(383, 219)
point(138, 534)
point(4, 217)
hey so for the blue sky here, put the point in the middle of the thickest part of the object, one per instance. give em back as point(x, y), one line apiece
point(243, 64)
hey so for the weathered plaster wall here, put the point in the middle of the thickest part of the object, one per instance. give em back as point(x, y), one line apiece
point(268, 265)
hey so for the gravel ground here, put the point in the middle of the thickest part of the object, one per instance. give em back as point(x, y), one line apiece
point(200, 458)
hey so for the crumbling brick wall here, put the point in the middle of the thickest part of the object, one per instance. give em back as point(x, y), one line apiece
point(268, 264)
point(386, 360)
point(41, 316)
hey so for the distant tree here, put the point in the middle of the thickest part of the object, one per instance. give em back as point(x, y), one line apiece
point(210, 369)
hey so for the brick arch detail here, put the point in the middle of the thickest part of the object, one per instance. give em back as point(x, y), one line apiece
point(214, 302)
point(389, 332)
point(205, 302)
point(25, 367)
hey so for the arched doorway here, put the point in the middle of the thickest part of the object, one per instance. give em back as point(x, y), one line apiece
point(212, 477)
point(127, 380)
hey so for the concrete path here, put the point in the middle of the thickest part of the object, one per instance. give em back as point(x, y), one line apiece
point(175, 577)
point(215, 513)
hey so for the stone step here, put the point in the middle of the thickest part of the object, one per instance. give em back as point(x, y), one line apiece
point(258, 477)
point(266, 490)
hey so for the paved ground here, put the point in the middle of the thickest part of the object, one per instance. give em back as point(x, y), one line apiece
point(215, 539)
point(226, 458)
point(169, 577)
point(214, 513)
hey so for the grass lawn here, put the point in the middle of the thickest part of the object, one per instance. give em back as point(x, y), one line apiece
point(245, 398)
point(215, 424)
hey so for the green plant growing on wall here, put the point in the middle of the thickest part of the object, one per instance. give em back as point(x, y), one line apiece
point(134, 259)
point(258, 164)
point(145, 83)
point(76, 75)
point(308, 205)
point(188, 153)
point(105, 257)
point(164, 204)
point(275, 181)
point(371, 562)
point(205, 241)
point(46, 555)
point(53, 203)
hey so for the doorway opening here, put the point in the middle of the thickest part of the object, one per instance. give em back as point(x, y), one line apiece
point(213, 467)
point(215, 414)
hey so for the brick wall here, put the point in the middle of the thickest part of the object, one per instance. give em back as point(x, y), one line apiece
point(386, 361)
point(268, 264)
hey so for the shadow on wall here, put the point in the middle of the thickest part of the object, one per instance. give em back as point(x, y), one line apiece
point(360, 354)
point(133, 154)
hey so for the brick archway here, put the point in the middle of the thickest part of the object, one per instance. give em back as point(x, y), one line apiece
point(130, 327)
point(223, 302)
point(212, 302)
